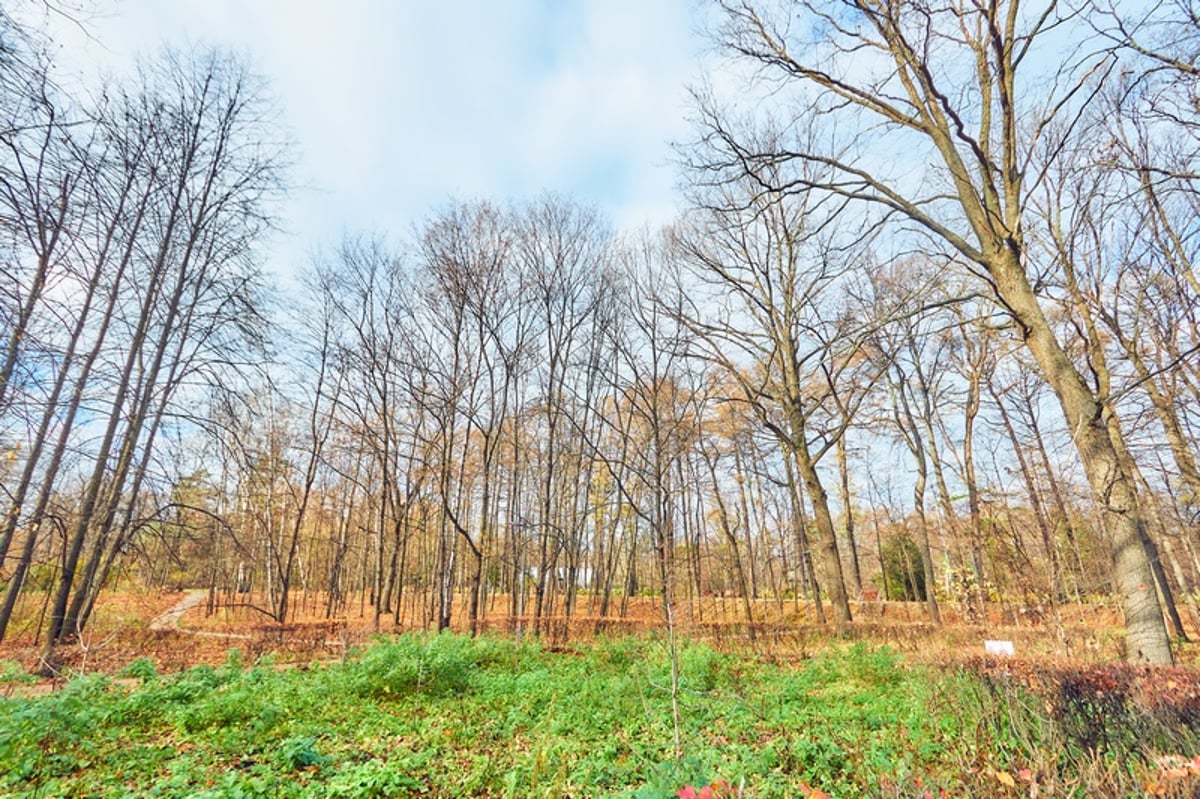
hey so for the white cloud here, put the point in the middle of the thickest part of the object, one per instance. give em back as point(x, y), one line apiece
point(397, 106)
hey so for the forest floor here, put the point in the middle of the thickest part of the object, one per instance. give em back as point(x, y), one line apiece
point(222, 701)
point(440, 716)
point(178, 630)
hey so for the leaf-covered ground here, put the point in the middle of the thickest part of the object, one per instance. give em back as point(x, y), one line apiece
point(449, 716)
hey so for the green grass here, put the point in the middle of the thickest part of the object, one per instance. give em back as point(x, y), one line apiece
point(450, 716)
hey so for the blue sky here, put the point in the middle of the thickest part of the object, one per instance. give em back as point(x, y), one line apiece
point(398, 106)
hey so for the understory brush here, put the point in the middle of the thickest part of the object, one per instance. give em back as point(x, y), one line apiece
point(1109, 729)
point(445, 715)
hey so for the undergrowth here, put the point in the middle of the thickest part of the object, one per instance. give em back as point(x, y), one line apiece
point(441, 716)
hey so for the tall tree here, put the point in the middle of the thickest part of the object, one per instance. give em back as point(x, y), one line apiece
point(767, 279)
point(212, 173)
point(965, 89)
point(563, 251)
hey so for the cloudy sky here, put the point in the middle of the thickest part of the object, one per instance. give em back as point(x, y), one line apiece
point(398, 105)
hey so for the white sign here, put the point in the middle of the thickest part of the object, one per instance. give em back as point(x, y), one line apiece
point(998, 648)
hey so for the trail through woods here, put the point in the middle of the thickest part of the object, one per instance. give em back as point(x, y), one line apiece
point(169, 620)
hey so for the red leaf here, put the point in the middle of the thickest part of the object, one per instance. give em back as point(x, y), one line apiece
point(809, 792)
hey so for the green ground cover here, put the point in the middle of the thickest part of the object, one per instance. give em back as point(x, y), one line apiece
point(451, 716)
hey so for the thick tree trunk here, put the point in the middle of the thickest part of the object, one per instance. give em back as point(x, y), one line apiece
point(1146, 632)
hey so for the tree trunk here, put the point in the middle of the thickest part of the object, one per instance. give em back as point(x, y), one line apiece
point(848, 517)
point(1146, 632)
point(831, 561)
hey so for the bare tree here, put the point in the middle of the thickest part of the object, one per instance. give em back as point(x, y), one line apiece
point(474, 288)
point(367, 287)
point(563, 251)
point(954, 85)
point(768, 276)
point(211, 172)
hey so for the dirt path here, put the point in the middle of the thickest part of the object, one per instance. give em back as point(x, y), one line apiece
point(170, 619)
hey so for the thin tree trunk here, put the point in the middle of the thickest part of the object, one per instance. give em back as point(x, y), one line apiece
point(848, 517)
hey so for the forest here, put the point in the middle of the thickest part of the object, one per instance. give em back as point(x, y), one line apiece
point(926, 329)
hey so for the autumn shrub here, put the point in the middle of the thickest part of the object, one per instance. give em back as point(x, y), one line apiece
point(1105, 727)
point(667, 779)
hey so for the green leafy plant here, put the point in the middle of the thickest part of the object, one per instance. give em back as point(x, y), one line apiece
point(369, 780)
point(13, 673)
point(301, 752)
point(141, 669)
point(454, 716)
